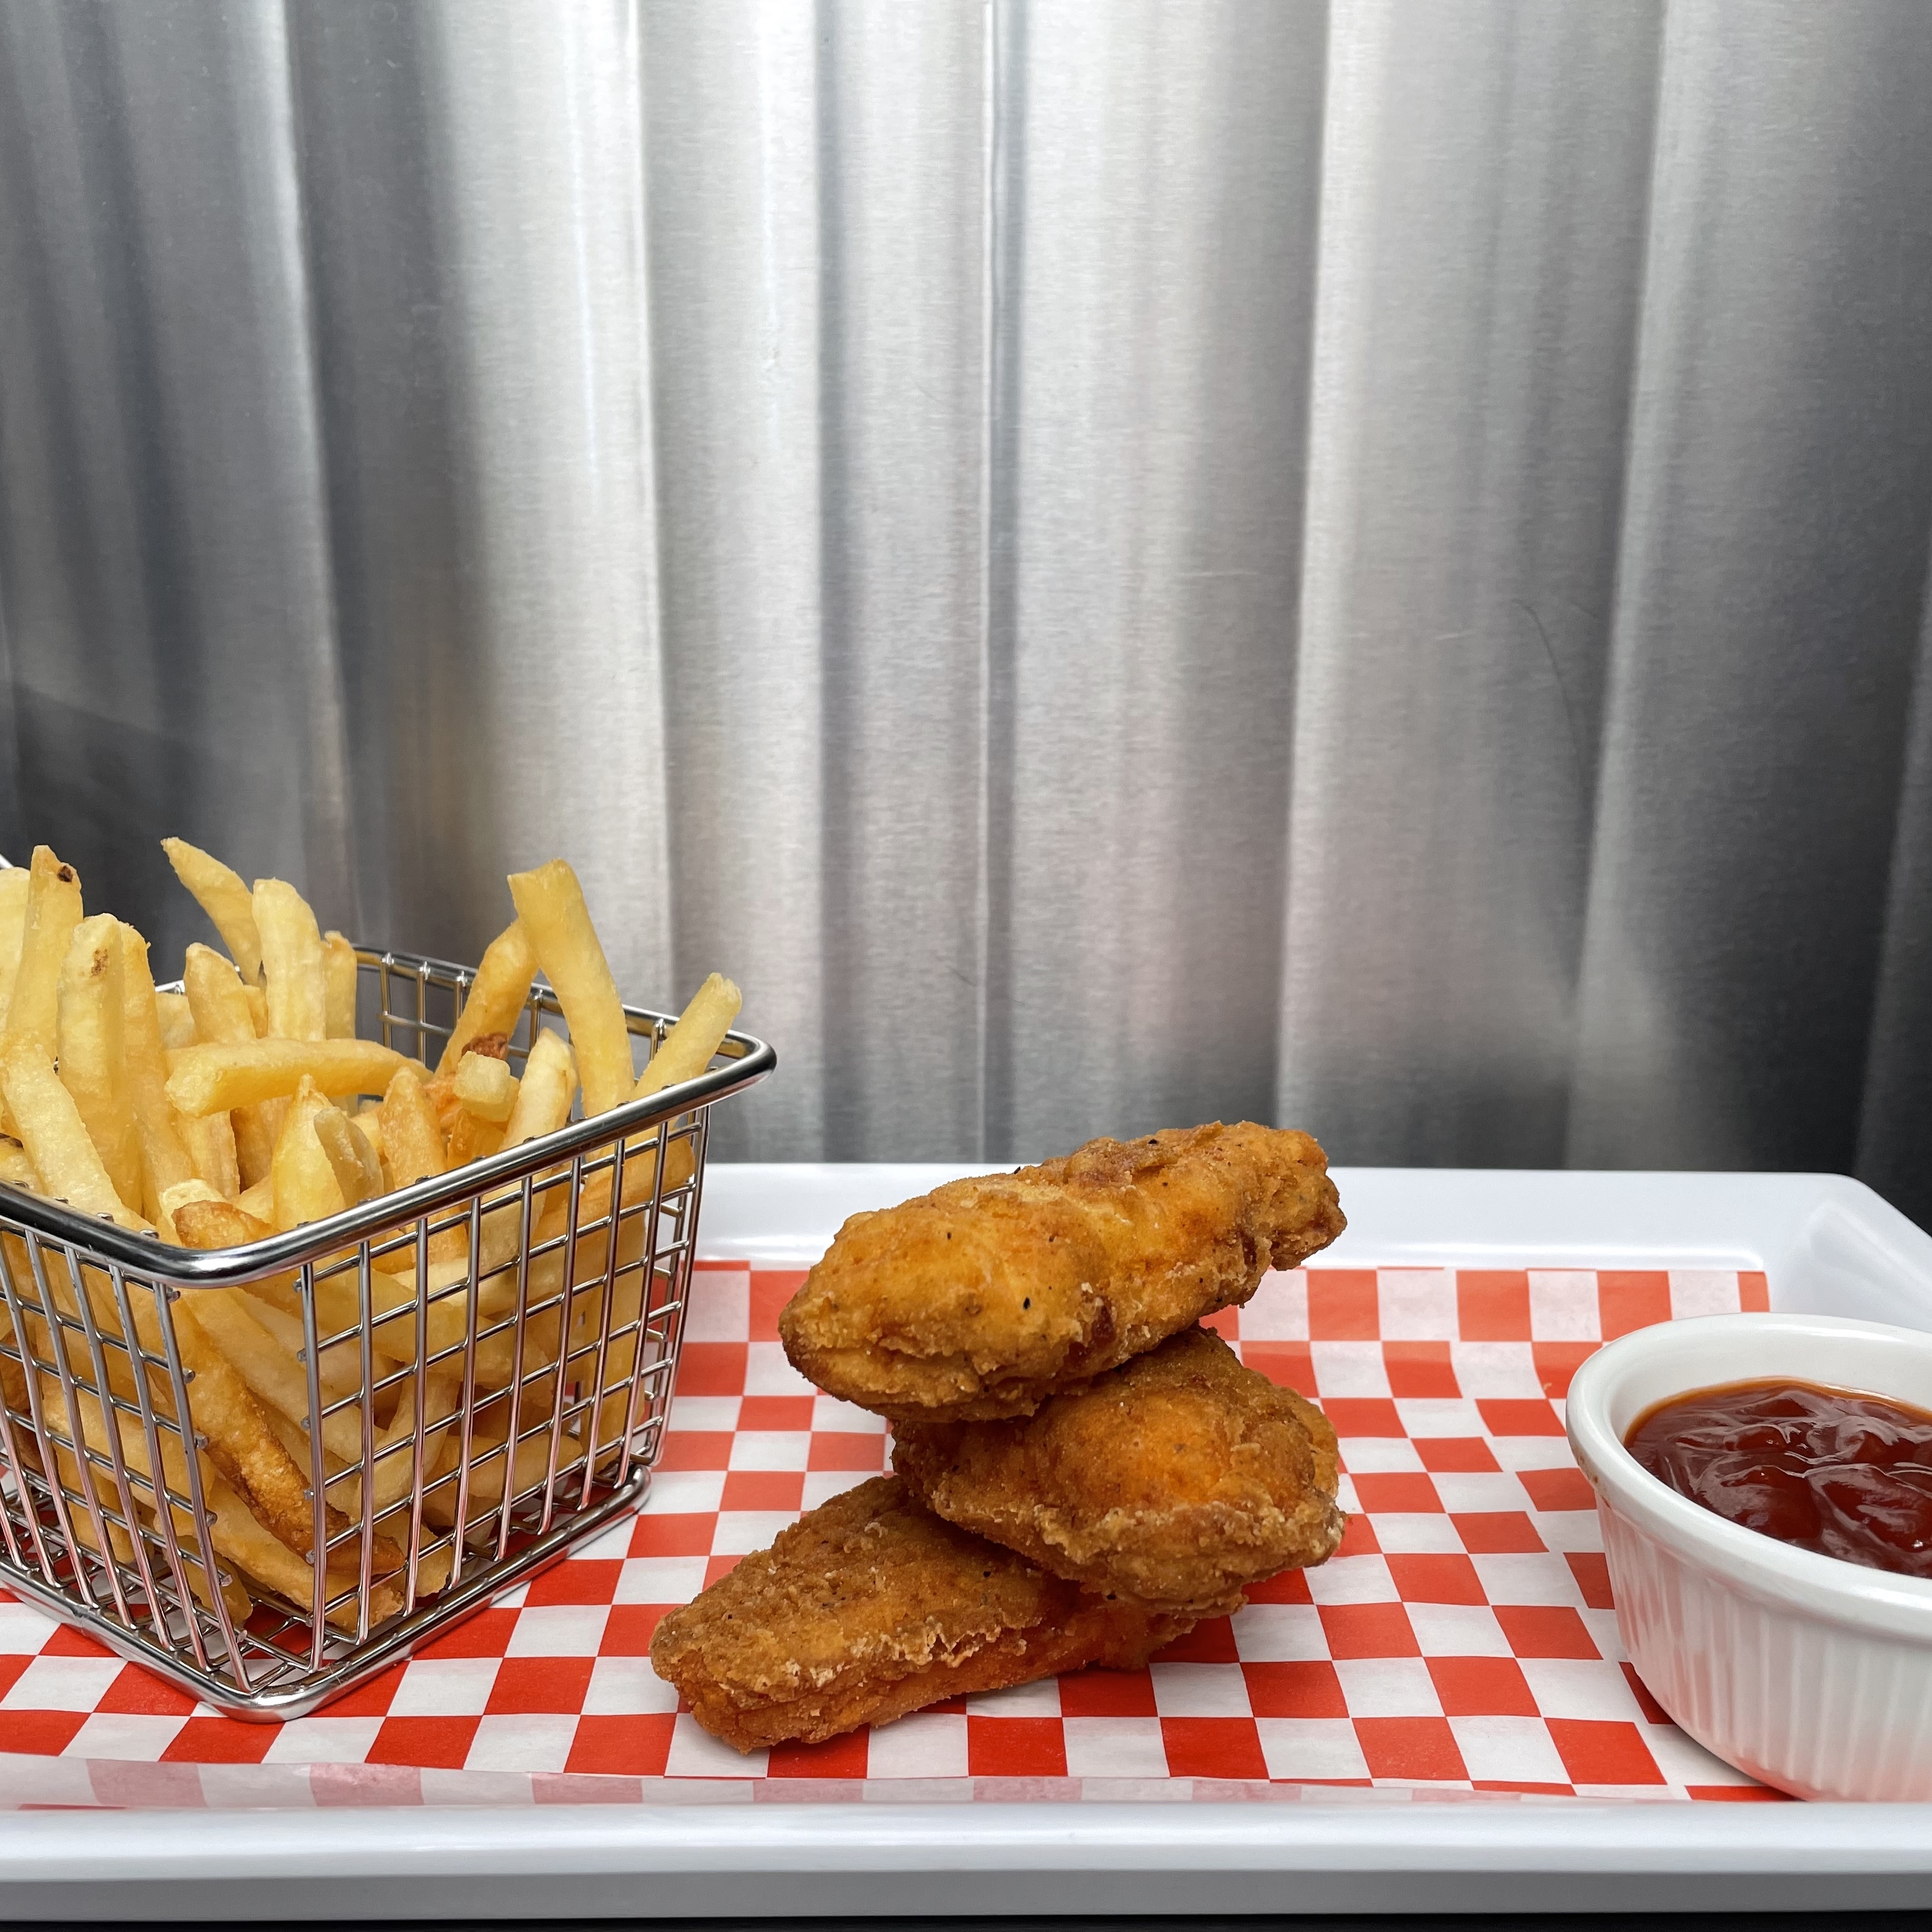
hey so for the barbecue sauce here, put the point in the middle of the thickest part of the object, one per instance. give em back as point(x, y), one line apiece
point(1849, 1476)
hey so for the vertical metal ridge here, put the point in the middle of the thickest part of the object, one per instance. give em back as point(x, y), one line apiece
point(333, 849)
point(1322, 452)
point(1005, 241)
point(658, 759)
point(990, 131)
point(838, 904)
point(1616, 666)
point(1895, 1104)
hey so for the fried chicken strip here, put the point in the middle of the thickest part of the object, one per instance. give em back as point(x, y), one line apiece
point(1179, 1478)
point(982, 1298)
point(870, 1607)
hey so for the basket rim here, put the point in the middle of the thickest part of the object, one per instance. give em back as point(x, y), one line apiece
point(102, 1241)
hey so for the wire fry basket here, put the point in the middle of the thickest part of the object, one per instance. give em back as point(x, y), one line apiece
point(475, 1374)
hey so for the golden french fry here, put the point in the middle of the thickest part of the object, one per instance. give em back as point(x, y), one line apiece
point(306, 1188)
point(339, 1368)
point(497, 993)
point(14, 881)
point(194, 1193)
point(207, 1225)
point(65, 1159)
point(472, 1138)
point(486, 1087)
point(221, 1007)
point(394, 1464)
point(16, 1166)
point(53, 911)
point(338, 970)
point(367, 1121)
point(271, 1369)
point(544, 1094)
point(292, 962)
point(92, 1060)
point(225, 899)
point(412, 1145)
point(258, 1011)
point(134, 1459)
point(210, 1141)
point(688, 1047)
point(217, 1076)
point(258, 1202)
point(550, 905)
point(358, 1172)
point(177, 1020)
point(164, 1155)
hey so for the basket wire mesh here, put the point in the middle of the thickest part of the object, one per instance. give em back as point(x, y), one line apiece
point(474, 1374)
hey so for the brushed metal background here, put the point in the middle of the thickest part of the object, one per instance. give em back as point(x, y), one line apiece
point(1115, 561)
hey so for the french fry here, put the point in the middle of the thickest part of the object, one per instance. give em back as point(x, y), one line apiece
point(306, 1188)
point(700, 1032)
point(220, 1006)
point(338, 970)
point(194, 1193)
point(486, 1087)
point(14, 881)
point(225, 899)
point(231, 1088)
point(215, 1076)
point(544, 1092)
point(164, 1155)
point(413, 1144)
point(358, 1172)
point(472, 1138)
point(270, 1369)
point(551, 907)
point(53, 911)
point(207, 1225)
point(134, 1459)
point(497, 993)
point(395, 1469)
point(16, 1165)
point(64, 1157)
point(210, 1141)
point(92, 1061)
point(292, 969)
point(176, 1019)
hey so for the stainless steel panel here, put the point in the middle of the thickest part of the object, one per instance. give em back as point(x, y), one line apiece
point(1770, 587)
point(1483, 223)
point(1115, 560)
point(730, 167)
point(1162, 187)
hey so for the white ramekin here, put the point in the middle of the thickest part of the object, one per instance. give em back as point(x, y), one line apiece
point(1811, 1674)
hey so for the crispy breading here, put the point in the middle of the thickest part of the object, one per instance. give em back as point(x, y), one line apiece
point(1179, 1478)
point(980, 1299)
point(870, 1607)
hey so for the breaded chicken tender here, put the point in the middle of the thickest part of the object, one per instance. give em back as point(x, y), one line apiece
point(1180, 1479)
point(982, 1298)
point(870, 1607)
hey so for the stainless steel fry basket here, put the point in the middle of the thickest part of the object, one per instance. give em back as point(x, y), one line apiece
point(472, 1374)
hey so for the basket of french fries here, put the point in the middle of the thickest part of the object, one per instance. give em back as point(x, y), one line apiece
point(340, 1289)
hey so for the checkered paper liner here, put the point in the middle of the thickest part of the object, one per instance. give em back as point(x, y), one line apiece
point(1461, 1644)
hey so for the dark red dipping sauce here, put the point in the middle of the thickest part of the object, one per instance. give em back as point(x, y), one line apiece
point(1848, 1475)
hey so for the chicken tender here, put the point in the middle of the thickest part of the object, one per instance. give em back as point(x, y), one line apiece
point(1180, 1479)
point(870, 1607)
point(982, 1298)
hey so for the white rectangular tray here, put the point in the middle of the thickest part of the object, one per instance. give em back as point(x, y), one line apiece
point(1826, 1244)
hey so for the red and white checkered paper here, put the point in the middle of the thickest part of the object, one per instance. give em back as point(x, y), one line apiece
point(1461, 1643)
